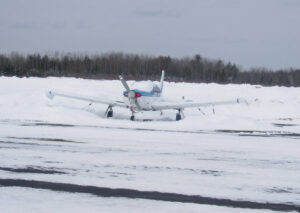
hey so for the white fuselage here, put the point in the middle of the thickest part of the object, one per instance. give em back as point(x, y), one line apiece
point(139, 100)
point(144, 103)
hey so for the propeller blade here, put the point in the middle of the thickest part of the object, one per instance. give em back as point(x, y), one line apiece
point(124, 83)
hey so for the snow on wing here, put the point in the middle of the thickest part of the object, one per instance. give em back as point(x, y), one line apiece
point(166, 105)
point(112, 103)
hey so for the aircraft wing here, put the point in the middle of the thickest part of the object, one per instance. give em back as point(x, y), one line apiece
point(165, 105)
point(50, 94)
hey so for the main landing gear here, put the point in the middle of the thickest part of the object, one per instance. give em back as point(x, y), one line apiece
point(179, 115)
point(109, 112)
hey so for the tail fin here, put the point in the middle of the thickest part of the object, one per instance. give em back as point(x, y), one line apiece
point(162, 80)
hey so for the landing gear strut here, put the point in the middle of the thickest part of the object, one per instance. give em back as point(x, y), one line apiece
point(109, 112)
point(132, 118)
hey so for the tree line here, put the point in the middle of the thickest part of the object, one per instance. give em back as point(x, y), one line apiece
point(141, 67)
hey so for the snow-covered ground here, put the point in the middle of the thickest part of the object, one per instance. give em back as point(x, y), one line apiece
point(24, 99)
point(240, 152)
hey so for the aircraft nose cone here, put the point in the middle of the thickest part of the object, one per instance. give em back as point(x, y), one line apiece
point(131, 94)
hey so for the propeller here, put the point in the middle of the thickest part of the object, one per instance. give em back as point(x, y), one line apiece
point(131, 94)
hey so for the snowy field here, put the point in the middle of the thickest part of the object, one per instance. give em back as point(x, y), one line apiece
point(230, 153)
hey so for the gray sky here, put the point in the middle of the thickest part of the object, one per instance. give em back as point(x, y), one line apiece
point(251, 33)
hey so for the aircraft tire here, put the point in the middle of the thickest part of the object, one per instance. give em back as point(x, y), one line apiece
point(178, 117)
point(110, 114)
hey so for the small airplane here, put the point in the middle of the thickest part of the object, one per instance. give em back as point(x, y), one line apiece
point(138, 100)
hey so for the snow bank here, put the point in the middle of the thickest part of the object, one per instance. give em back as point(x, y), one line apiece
point(24, 99)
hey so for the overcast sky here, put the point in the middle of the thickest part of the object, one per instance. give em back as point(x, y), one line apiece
point(250, 33)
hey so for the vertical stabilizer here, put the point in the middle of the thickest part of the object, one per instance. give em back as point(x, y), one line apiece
point(162, 80)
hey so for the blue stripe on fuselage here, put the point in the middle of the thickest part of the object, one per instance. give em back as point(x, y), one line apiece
point(144, 93)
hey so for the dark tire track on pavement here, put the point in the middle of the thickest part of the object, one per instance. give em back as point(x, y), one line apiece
point(150, 195)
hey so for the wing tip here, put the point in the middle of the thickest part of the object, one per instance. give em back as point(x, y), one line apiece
point(50, 94)
point(242, 100)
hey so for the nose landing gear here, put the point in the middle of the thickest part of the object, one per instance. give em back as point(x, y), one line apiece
point(132, 118)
